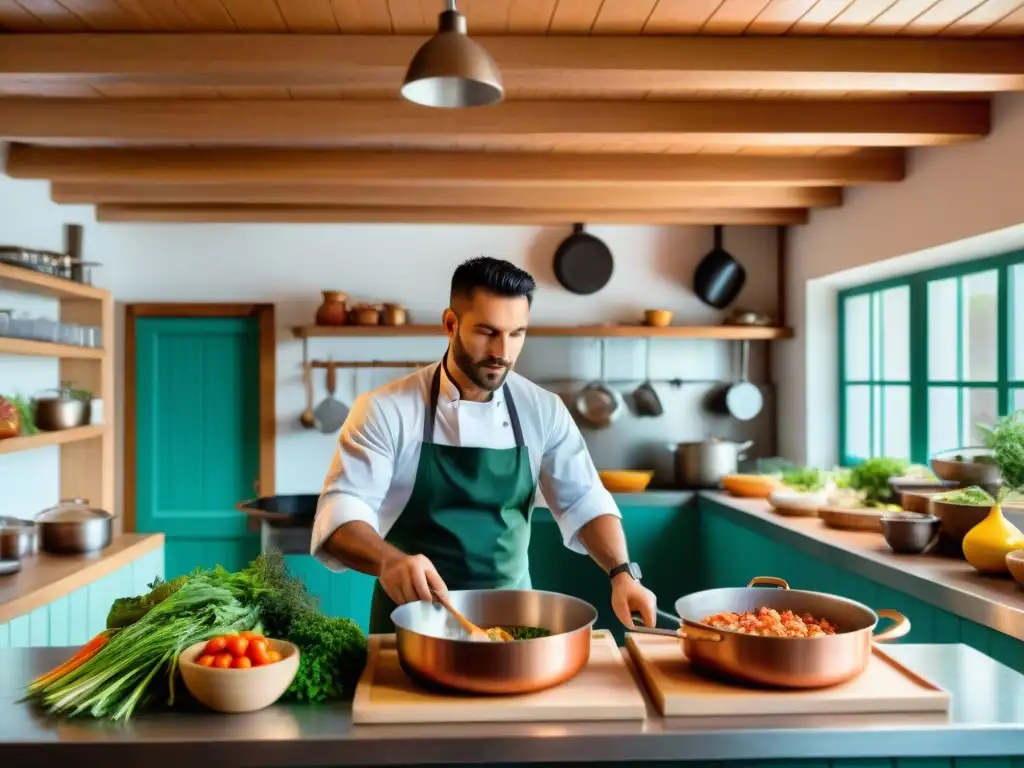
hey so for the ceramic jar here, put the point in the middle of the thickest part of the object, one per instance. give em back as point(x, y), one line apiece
point(333, 310)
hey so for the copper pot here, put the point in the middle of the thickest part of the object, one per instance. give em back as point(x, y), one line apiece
point(434, 650)
point(365, 314)
point(781, 662)
point(393, 314)
point(333, 310)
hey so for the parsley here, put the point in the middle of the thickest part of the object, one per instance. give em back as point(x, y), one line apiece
point(1006, 439)
point(332, 657)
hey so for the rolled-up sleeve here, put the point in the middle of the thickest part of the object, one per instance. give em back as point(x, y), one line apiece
point(358, 479)
point(569, 479)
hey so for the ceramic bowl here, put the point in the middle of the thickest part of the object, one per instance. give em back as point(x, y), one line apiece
point(239, 690)
point(985, 473)
point(956, 520)
point(657, 318)
point(625, 480)
point(751, 486)
point(910, 533)
point(1015, 564)
point(786, 501)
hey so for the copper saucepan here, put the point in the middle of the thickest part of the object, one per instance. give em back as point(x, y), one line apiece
point(783, 662)
point(434, 650)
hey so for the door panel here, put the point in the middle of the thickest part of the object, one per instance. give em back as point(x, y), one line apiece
point(197, 436)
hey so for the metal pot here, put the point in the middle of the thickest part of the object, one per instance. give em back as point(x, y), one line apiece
point(18, 538)
point(434, 650)
point(73, 527)
point(704, 464)
point(61, 412)
point(781, 662)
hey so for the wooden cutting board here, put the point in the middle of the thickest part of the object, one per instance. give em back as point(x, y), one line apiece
point(603, 690)
point(677, 690)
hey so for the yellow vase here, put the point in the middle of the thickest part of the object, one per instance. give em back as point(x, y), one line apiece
point(987, 544)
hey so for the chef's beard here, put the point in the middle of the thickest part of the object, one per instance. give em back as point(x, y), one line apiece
point(476, 371)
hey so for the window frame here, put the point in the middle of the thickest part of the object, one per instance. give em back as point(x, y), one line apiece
point(920, 383)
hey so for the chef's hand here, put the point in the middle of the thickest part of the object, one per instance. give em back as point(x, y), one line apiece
point(408, 578)
point(629, 595)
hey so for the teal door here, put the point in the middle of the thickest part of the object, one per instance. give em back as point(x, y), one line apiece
point(197, 437)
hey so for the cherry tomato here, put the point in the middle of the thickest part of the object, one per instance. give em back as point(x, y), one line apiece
point(223, 661)
point(237, 646)
point(241, 662)
point(215, 645)
point(206, 660)
point(258, 652)
point(250, 636)
point(274, 656)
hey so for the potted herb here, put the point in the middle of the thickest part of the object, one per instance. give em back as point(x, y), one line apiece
point(803, 492)
point(987, 544)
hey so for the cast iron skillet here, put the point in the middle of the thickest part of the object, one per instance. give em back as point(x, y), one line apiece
point(719, 278)
point(583, 263)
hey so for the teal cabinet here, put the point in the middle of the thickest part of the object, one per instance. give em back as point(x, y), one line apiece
point(735, 553)
point(80, 615)
point(660, 539)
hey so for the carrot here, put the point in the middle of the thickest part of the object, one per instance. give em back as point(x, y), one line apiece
point(85, 653)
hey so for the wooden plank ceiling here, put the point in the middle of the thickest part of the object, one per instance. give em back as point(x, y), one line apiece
point(631, 111)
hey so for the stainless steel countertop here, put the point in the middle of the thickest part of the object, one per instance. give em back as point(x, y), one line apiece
point(950, 584)
point(986, 718)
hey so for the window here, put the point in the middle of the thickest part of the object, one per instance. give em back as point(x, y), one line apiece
point(925, 358)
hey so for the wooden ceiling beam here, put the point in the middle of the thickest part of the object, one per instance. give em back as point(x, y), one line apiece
point(497, 196)
point(690, 63)
point(328, 123)
point(442, 168)
point(276, 214)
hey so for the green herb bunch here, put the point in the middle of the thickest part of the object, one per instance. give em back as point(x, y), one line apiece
point(872, 479)
point(1006, 439)
point(805, 479)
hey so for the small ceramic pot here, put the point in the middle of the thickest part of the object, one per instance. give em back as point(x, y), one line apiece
point(333, 310)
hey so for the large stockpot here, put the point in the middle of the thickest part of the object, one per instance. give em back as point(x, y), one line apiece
point(73, 527)
point(704, 464)
point(781, 662)
point(435, 651)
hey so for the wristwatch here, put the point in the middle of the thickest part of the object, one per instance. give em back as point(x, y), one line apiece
point(631, 568)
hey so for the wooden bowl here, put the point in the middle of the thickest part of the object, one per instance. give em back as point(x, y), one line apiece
point(625, 480)
point(751, 486)
point(239, 690)
point(1015, 564)
point(657, 318)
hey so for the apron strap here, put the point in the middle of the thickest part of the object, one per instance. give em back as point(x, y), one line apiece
point(435, 391)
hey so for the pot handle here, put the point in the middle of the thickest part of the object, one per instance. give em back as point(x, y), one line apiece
point(687, 633)
point(899, 628)
point(773, 581)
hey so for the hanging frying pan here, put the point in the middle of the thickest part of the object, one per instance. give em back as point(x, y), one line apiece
point(743, 399)
point(718, 278)
point(583, 263)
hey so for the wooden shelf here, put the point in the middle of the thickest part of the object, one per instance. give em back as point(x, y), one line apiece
point(29, 281)
point(43, 439)
point(12, 346)
point(726, 332)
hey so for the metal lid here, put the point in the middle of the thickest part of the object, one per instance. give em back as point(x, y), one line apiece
point(71, 511)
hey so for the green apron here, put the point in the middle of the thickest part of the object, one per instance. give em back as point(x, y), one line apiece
point(469, 513)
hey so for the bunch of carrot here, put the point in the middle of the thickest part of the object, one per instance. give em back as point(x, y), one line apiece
point(85, 653)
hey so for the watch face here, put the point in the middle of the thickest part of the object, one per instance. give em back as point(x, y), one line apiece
point(634, 571)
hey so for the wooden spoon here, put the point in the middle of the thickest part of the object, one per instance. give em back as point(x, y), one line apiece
point(307, 415)
point(475, 633)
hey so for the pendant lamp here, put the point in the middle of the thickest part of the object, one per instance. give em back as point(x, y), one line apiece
point(450, 70)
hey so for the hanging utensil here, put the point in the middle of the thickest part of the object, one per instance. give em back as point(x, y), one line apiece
point(306, 419)
point(598, 403)
point(583, 263)
point(331, 413)
point(719, 278)
point(743, 400)
point(645, 398)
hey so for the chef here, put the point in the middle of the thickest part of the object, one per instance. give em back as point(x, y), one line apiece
point(434, 475)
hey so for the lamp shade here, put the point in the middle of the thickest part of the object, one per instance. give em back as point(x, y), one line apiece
point(450, 70)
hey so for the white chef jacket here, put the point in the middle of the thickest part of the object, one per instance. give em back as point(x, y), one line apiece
point(374, 465)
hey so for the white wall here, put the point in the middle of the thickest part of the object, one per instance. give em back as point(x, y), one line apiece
point(290, 264)
point(957, 203)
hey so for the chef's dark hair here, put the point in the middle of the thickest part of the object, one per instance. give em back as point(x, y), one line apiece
point(493, 275)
